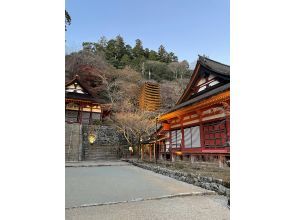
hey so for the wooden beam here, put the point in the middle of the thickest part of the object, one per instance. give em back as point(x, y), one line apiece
point(199, 105)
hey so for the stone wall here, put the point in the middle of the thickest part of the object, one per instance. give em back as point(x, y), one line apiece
point(209, 183)
point(73, 142)
point(107, 145)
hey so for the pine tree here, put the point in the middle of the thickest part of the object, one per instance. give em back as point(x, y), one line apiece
point(162, 54)
point(138, 50)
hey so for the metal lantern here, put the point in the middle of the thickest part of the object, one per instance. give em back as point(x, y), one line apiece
point(92, 136)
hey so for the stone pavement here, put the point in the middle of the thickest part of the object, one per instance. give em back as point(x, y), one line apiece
point(118, 190)
point(208, 207)
point(104, 184)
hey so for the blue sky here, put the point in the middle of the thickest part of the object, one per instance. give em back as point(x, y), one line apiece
point(185, 27)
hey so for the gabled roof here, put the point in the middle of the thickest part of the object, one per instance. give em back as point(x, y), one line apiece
point(215, 66)
point(207, 65)
point(87, 96)
point(77, 80)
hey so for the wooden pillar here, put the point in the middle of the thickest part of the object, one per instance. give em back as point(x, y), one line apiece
point(150, 153)
point(201, 130)
point(142, 152)
point(164, 150)
point(228, 127)
point(90, 118)
point(173, 157)
point(226, 106)
point(80, 114)
point(183, 136)
point(221, 161)
point(154, 153)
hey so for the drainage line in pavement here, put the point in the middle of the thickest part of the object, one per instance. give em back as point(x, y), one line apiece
point(146, 199)
point(101, 165)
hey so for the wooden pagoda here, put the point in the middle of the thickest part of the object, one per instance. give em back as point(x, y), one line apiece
point(149, 97)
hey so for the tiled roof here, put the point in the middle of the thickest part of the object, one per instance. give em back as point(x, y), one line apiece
point(214, 65)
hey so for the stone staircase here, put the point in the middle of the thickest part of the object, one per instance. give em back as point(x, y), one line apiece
point(100, 152)
point(105, 146)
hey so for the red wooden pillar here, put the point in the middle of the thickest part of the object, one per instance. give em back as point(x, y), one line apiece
point(201, 130)
point(226, 107)
point(170, 145)
point(164, 150)
point(90, 118)
point(183, 136)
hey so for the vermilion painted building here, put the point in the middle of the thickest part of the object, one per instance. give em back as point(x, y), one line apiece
point(81, 105)
point(198, 127)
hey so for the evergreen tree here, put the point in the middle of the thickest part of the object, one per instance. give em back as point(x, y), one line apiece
point(101, 44)
point(67, 19)
point(138, 50)
point(110, 53)
point(120, 49)
point(129, 51)
point(172, 57)
point(162, 54)
point(153, 55)
point(125, 60)
point(163, 65)
point(146, 53)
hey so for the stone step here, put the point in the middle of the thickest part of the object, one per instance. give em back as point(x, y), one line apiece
point(99, 153)
point(101, 158)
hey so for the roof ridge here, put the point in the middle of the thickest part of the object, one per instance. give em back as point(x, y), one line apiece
point(212, 60)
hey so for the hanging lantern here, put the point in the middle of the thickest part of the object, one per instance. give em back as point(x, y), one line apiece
point(92, 136)
point(179, 153)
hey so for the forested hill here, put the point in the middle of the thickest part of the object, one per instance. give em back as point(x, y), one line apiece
point(157, 65)
point(115, 71)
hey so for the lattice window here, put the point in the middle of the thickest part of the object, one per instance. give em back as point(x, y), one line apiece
point(215, 134)
point(192, 137)
point(195, 134)
point(187, 138)
point(85, 117)
point(176, 138)
point(71, 116)
point(173, 139)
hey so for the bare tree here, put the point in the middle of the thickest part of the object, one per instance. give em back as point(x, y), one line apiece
point(179, 68)
point(97, 61)
point(134, 126)
point(170, 92)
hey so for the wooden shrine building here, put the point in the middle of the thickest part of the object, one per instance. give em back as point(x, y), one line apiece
point(198, 127)
point(81, 105)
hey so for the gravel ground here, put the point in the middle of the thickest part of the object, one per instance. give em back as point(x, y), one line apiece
point(209, 207)
point(198, 168)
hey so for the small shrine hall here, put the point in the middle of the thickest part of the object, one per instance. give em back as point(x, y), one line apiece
point(81, 105)
point(198, 126)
